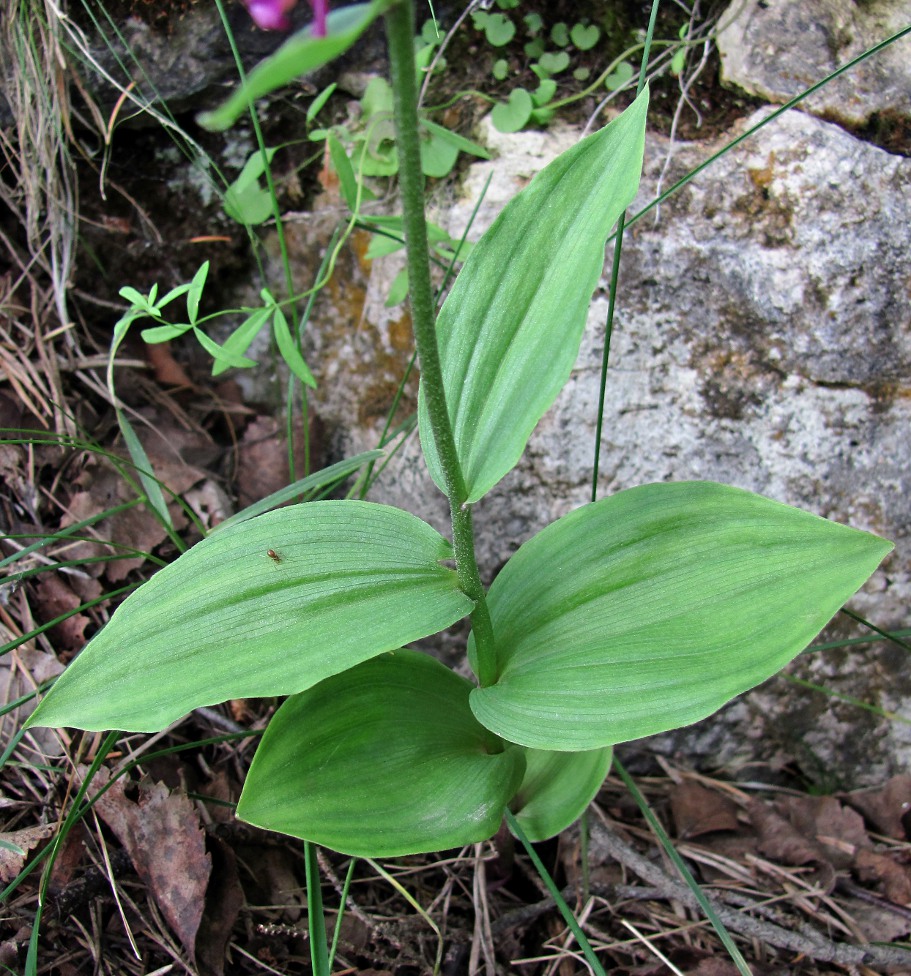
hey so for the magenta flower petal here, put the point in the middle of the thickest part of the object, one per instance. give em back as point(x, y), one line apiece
point(270, 14)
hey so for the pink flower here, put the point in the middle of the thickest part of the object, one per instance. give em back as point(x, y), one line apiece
point(272, 14)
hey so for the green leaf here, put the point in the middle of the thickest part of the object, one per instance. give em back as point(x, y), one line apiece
point(300, 54)
point(271, 606)
point(313, 109)
point(559, 34)
point(381, 158)
point(511, 327)
point(534, 48)
point(500, 69)
point(194, 293)
point(378, 98)
point(249, 205)
point(584, 38)
point(239, 341)
point(557, 789)
point(678, 61)
point(343, 168)
point(380, 246)
point(499, 30)
point(510, 116)
point(398, 290)
point(172, 294)
point(246, 200)
point(222, 356)
point(533, 23)
point(438, 157)
point(454, 139)
point(652, 608)
point(164, 333)
point(381, 761)
point(620, 76)
point(553, 62)
point(288, 349)
point(546, 91)
point(430, 33)
point(582, 74)
point(543, 115)
point(139, 301)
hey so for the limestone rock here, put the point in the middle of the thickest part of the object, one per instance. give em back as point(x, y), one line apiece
point(775, 49)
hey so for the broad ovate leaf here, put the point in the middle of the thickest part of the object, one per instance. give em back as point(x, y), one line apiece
point(510, 330)
point(383, 760)
point(650, 609)
point(300, 54)
point(557, 789)
point(271, 606)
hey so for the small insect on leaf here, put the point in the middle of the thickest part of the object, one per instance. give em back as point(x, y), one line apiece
point(274, 556)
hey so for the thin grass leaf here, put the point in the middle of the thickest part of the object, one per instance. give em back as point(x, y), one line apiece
point(144, 470)
point(554, 891)
point(669, 849)
point(454, 139)
point(316, 920)
point(305, 486)
point(314, 107)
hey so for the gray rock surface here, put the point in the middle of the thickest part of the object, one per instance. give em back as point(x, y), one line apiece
point(763, 340)
point(775, 49)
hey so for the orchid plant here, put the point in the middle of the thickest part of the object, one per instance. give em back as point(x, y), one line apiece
point(635, 614)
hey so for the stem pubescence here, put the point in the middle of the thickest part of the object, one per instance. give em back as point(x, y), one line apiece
point(400, 38)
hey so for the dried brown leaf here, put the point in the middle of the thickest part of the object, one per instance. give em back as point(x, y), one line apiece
point(895, 878)
point(887, 807)
point(163, 835)
point(262, 462)
point(779, 839)
point(224, 900)
point(54, 597)
point(698, 810)
point(11, 862)
point(837, 829)
point(878, 924)
point(283, 888)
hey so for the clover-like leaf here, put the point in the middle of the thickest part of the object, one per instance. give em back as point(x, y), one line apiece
point(584, 37)
point(383, 760)
point(271, 606)
point(511, 115)
point(650, 609)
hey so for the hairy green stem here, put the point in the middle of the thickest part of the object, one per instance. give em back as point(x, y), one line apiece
point(399, 36)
